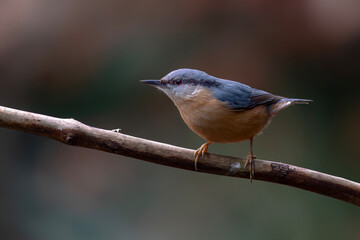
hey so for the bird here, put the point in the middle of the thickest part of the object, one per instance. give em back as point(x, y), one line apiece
point(220, 110)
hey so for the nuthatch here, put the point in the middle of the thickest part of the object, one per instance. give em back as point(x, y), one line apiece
point(219, 110)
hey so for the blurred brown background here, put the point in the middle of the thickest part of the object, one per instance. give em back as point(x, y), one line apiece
point(84, 59)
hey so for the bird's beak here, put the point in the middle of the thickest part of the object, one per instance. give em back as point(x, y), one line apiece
point(155, 83)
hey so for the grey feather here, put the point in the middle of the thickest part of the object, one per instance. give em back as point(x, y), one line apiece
point(236, 95)
point(239, 96)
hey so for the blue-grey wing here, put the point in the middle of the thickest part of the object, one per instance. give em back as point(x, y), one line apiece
point(259, 97)
point(239, 96)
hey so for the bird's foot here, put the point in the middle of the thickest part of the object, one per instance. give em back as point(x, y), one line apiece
point(200, 152)
point(250, 160)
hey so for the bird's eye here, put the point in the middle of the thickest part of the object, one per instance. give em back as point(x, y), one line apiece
point(178, 81)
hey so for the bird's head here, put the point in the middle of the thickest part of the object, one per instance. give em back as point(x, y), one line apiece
point(183, 84)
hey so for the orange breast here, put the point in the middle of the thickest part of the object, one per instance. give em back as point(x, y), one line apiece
point(212, 120)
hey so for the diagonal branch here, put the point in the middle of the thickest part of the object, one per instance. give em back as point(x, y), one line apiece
point(72, 132)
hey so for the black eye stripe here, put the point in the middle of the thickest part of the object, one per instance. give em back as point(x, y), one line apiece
point(201, 82)
point(174, 82)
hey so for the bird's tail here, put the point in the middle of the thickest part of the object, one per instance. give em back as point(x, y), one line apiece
point(286, 102)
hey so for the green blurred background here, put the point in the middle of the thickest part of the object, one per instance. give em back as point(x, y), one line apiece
point(84, 59)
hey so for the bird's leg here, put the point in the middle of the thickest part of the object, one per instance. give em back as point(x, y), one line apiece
point(201, 152)
point(250, 160)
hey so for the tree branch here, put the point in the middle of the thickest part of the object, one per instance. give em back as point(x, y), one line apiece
point(72, 132)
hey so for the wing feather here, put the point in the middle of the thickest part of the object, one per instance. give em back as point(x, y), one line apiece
point(239, 96)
